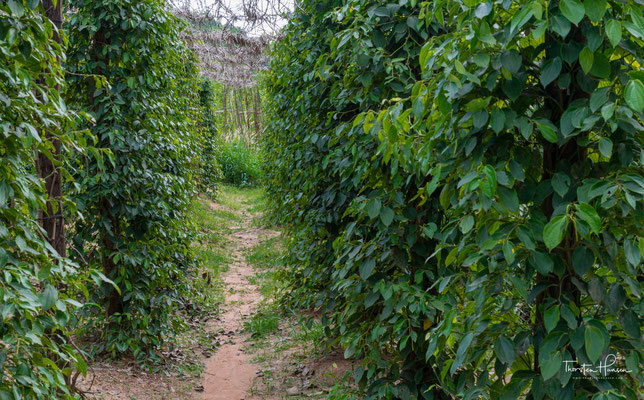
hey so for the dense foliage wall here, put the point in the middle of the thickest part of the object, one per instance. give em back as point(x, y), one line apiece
point(463, 185)
point(129, 70)
point(37, 287)
point(211, 173)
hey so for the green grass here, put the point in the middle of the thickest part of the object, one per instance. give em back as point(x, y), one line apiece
point(213, 224)
point(267, 254)
point(264, 322)
point(240, 163)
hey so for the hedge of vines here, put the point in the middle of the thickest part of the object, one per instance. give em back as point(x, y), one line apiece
point(119, 96)
point(36, 310)
point(136, 208)
point(462, 183)
point(211, 175)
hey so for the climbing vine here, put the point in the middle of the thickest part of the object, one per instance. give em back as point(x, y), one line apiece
point(211, 174)
point(39, 290)
point(136, 209)
point(463, 184)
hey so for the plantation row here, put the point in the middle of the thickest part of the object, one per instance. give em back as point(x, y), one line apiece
point(463, 186)
point(105, 140)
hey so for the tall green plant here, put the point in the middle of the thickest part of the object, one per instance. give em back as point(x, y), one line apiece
point(38, 288)
point(463, 184)
point(211, 175)
point(135, 223)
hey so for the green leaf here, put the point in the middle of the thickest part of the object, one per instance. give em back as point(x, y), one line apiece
point(551, 318)
point(573, 10)
point(568, 316)
point(586, 59)
point(608, 110)
point(550, 71)
point(430, 229)
point(49, 297)
point(461, 352)
point(366, 269)
point(509, 198)
point(516, 169)
point(16, 8)
point(601, 66)
point(378, 38)
point(599, 98)
point(547, 129)
point(467, 223)
point(525, 127)
point(543, 263)
point(498, 120)
point(386, 215)
point(614, 32)
point(511, 60)
point(596, 289)
point(616, 298)
point(605, 147)
point(488, 185)
point(553, 231)
point(634, 95)
point(418, 107)
point(631, 324)
point(560, 25)
point(595, 9)
point(481, 59)
point(637, 26)
point(5, 191)
point(594, 342)
point(445, 197)
point(508, 252)
point(483, 10)
point(504, 350)
point(588, 214)
point(433, 184)
point(349, 351)
point(582, 260)
point(373, 208)
point(560, 183)
point(631, 251)
point(551, 366)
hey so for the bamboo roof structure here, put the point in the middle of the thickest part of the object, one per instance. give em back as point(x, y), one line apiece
point(231, 37)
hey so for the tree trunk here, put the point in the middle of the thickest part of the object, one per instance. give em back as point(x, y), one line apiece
point(52, 219)
point(256, 112)
point(247, 111)
point(223, 126)
point(240, 121)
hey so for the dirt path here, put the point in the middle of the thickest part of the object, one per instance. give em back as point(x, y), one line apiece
point(229, 373)
point(216, 358)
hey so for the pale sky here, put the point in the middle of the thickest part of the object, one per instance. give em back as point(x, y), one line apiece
point(270, 7)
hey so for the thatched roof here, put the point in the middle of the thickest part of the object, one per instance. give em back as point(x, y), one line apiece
point(231, 37)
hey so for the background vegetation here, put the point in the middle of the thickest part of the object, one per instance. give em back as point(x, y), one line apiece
point(462, 182)
point(240, 163)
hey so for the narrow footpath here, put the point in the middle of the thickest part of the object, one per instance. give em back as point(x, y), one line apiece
point(229, 373)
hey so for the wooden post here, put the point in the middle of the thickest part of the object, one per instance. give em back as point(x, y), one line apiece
point(256, 113)
point(223, 127)
point(240, 121)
